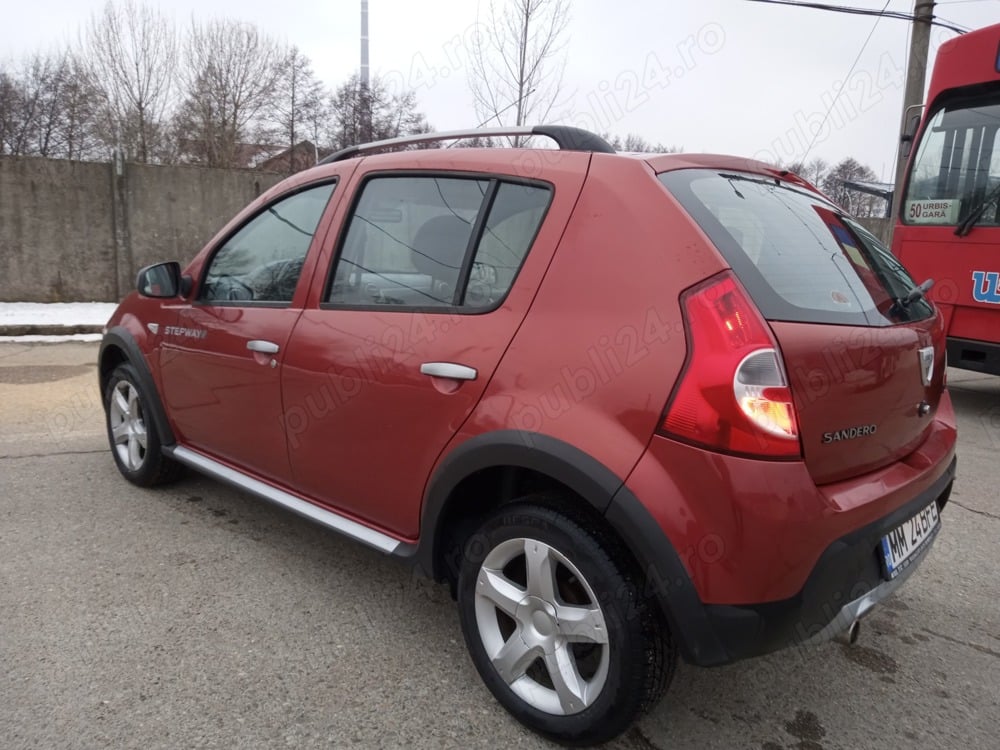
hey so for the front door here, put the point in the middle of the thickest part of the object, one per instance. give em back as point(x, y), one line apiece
point(221, 362)
point(432, 279)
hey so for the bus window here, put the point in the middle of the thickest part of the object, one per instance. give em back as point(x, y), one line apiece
point(957, 165)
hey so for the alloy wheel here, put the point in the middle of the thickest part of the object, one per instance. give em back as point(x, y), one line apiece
point(128, 427)
point(542, 626)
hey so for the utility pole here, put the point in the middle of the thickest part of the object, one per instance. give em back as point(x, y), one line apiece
point(366, 103)
point(913, 96)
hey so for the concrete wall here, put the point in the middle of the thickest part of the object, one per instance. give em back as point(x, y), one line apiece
point(78, 231)
point(56, 233)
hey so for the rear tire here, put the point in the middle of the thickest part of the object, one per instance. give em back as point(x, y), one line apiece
point(132, 434)
point(556, 625)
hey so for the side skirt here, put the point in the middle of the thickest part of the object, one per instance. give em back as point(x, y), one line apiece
point(322, 516)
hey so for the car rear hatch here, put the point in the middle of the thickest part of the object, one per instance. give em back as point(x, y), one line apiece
point(862, 350)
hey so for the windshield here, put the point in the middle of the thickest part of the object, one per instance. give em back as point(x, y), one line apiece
point(799, 256)
point(957, 165)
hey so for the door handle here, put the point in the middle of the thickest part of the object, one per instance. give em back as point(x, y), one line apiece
point(264, 347)
point(448, 370)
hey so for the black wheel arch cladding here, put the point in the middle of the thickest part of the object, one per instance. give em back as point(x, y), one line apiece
point(119, 338)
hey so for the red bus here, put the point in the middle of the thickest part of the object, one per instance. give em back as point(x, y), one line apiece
point(948, 225)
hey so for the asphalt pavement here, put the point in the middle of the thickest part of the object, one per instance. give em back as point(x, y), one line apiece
point(196, 616)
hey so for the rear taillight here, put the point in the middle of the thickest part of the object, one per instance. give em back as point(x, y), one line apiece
point(733, 395)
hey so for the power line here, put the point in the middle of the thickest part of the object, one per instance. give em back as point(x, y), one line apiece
point(899, 15)
point(949, 24)
point(847, 78)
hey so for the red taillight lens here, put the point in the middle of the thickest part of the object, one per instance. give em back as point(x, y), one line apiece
point(733, 395)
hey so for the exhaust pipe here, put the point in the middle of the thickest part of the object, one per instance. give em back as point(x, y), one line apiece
point(850, 636)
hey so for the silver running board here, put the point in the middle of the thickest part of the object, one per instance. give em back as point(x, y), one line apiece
point(324, 517)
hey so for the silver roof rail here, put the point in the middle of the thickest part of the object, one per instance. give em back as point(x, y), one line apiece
point(566, 137)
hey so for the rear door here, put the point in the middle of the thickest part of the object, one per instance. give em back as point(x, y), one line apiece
point(433, 275)
point(865, 365)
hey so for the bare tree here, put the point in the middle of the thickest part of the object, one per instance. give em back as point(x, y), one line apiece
point(31, 94)
point(79, 111)
point(477, 142)
point(852, 201)
point(230, 86)
point(517, 61)
point(10, 107)
point(47, 80)
point(46, 108)
point(813, 171)
point(131, 53)
point(299, 104)
point(636, 144)
point(359, 113)
point(16, 113)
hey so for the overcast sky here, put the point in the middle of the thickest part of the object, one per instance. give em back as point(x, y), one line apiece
point(705, 75)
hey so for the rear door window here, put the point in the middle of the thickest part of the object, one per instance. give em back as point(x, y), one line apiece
point(430, 242)
point(508, 232)
point(800, 257)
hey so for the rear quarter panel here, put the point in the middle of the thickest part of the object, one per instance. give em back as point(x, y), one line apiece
point(596, 358)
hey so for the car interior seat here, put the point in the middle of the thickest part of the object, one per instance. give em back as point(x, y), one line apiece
point(438, 251)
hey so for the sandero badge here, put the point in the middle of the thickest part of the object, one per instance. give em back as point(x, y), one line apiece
point(851, 433)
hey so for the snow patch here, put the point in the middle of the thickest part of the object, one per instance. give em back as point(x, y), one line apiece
point(89, 337)
point(55, 314)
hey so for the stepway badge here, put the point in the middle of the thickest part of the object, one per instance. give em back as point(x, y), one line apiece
point(986, 287)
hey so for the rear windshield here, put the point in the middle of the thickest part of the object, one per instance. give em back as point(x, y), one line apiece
point(800, 257)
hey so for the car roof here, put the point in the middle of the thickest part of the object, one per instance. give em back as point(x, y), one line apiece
point(527, 163)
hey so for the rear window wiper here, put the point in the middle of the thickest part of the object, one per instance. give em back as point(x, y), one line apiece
point(917, 292)
point(965, 226)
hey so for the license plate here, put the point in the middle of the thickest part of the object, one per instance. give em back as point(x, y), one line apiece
point(901, 544)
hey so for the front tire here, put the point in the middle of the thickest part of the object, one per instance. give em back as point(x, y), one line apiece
point(556, 627)
point(135, 442)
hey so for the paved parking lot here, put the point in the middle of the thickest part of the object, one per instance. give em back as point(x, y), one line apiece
point(196, 616)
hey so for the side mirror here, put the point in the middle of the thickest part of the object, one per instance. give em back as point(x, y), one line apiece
point(160, 280)
point(910, 132)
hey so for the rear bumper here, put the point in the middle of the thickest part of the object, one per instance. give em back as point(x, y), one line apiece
point(843, 586)
point(749, 557)
point(980, 356)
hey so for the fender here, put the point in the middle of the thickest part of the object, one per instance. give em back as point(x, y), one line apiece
point(121, 338)
point(583, 474)
point(667, 581)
